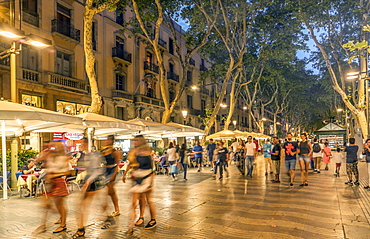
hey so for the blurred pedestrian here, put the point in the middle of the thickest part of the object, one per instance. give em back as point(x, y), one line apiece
point(290, 148)
point(172, 157)
point(143, 178)
point(93, 182)
point(250, 148)
point(211, 149)
point(367, 157)
point(351, 162)
point(326, 155)
point(57, 167)
point(304, 152)
point(222, 159)
point(338, 158)
point(275, 157)
point(198, 150)
point(240, 157)
point(184, 159)
point(267, 147)
point(112, 158)
point(317, 153)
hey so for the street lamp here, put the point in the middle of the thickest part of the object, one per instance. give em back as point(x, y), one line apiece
point(18, 36)
point(264, 119)
point(223, 105)
point(234, 123)
point(184, 114)
point(245, 107)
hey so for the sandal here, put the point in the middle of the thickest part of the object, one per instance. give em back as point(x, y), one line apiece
point(58, 222)
point(78, 233)
point(130, 231)
point(152, 223)
point(115, 214)
point(141, 223)
point(60, 229)
point(107, 223)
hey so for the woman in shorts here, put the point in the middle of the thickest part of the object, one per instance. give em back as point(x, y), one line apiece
point(304, 157)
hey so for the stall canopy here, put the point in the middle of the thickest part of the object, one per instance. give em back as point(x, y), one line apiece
point(335, 134)
point(225, 134)
point(153, 126)
point(186, 131)
point(16, 118)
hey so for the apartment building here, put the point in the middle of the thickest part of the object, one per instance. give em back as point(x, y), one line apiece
point(54, 78)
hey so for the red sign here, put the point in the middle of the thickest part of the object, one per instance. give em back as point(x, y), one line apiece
point(58, 136)
point(73, 136)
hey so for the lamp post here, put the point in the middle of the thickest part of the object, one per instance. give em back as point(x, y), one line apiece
point(184, 114)
point(18, 37)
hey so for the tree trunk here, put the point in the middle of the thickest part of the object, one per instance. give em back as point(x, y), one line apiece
point(96, 100)
point(232, 106)
point(275, 130)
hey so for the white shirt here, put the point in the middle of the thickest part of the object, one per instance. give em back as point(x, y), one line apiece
point(235, 146)
point(338, 157)
point(319, 154)
point(250, 148)
point(171, 154)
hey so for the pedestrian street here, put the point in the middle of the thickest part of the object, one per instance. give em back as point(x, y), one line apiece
point(203, 207)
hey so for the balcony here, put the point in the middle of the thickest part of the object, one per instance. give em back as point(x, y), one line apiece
point(192, 62)
point(203, 90)
point(195, 112)
point(121, 55)
point(203, 68)
point(119, 94)
point(148, 100)
point(5, 61)
point(172, 76)
point(31, 18)
point(67, 83)
point(150, 68)
point(65, 30)
point(30, 75)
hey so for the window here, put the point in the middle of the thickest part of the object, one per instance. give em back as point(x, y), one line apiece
point(120, 113)
point(149, 58)
point(189, 76)
point(170, 46)
point(171, 67)
point(29, 57)
point(203, 105)
point(63, 64)
point(71, 108)
point(189, 101)
point(202, 62)
point(94, 35)
point(120, 17)
point(31, 100)
point(171, 95)
point(64, 20)
point(120, 82)
point(30, 6)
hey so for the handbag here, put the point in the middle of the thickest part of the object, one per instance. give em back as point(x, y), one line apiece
point(174, 169)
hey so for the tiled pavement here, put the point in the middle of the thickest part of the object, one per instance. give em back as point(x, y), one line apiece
point(202, 207)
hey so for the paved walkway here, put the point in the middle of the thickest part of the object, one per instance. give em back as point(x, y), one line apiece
point(236, 207)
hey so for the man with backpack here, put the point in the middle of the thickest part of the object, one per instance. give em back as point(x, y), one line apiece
point(317, 154)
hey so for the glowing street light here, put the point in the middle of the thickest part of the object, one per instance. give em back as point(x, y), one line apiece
point(339, 110)
point(194, 87)
point(245, 107)
point(223, 105)
point(264, 119)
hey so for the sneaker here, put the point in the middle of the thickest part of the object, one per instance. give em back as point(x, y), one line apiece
point(357, 183)
point(318, 171)
point(315, 170)
point(291, 185)
point(367, 187)
point(349, 182)
point(151, 224)
point(198, 170)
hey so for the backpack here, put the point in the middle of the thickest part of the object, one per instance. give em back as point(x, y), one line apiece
point(316, 148)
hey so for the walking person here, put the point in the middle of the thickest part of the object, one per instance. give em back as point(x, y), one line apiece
point(351, 162)
point(222, 159)
point(211, 149)
point(250, 155)
point(317, 153)
point(290, 148)
point(367, 157)
point(338, 158)
point(184, 160)
point(240, 157)
point(304, 152)
point(94, 181)
point(267, 147)
point(111, 158)
point(326, 155)
point(198, 150)
point(172, 157)
point(57, 167)
point(275, 157)
point(142, 177)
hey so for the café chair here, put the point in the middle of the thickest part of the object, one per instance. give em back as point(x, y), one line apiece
point(71, 179)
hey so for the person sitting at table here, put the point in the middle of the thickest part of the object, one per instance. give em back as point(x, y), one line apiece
point(29, 168)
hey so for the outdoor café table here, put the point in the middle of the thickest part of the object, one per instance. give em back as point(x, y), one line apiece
point(26, 180)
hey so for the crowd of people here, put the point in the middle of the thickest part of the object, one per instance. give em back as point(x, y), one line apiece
point(101, 168)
